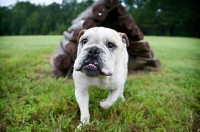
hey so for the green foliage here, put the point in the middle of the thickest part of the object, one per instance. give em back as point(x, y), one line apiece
point(5, 20)
point(166, 17)
point(166, 100)
point(25, 18)
point(19, 15)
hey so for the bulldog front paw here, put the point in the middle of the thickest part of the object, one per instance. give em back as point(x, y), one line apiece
point(104, 104)
point(78, 128)
point(81, 125)
point(85, 120)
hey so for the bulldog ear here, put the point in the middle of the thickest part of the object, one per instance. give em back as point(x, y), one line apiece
point(80, 34)
point(124, 38)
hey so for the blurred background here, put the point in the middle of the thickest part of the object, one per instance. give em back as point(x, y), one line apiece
point(154, 17)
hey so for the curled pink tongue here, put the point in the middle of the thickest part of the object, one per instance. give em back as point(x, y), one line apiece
point(91, 66)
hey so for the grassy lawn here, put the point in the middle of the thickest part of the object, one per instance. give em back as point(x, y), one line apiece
point(166, 100)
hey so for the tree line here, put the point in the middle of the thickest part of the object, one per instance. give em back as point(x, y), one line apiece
point(164, 18)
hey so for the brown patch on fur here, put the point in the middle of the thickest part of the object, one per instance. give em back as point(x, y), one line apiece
point(123, 35)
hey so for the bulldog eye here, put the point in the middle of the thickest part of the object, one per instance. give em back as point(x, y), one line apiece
point(110, 45)
point(84, 41)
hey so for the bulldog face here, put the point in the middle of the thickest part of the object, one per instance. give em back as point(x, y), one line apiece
point(99, 50)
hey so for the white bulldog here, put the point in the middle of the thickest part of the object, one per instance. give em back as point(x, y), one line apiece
point(101, 61)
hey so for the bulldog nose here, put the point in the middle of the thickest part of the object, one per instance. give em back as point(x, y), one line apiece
point(94, 52)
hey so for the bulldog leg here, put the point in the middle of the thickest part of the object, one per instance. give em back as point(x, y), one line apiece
point(122, 94)
point(112, 97)
point(82, 98)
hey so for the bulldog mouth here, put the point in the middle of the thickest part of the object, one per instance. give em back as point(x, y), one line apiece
point(93, 69)
point(91, 66)
point(90, 70)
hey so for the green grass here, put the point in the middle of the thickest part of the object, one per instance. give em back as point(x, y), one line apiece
point(166, 100)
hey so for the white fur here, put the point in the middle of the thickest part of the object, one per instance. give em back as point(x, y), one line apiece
point(117, 61)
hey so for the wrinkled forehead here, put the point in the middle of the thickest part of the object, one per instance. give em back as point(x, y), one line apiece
point(102, 34)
